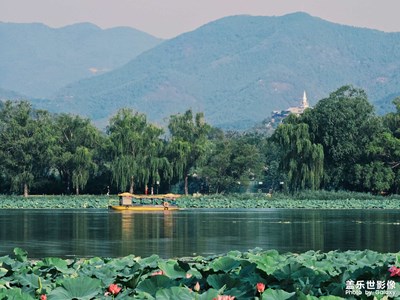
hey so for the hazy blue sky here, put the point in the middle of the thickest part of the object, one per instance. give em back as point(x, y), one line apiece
point(168, 18)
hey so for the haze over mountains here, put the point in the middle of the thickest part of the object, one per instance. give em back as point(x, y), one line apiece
point(237, 70)
point(36, 60)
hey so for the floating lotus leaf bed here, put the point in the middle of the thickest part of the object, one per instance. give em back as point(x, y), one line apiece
point(255, 274)
point(309, 200)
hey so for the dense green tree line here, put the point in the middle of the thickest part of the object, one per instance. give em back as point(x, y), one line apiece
point(340, 144)
point(64, 154)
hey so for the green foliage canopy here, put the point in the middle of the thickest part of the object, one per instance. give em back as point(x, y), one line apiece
point(136, 150)
point(26, 140)
point(188, 143)
point(302, 160)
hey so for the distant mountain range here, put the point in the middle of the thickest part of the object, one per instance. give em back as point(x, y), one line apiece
point(238, 69)
point(37, 60)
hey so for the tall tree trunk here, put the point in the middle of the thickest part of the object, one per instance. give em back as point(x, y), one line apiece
point(131, 185)
point(186, 185)
point(68, 183)
point(26, 192)
point(77, 191)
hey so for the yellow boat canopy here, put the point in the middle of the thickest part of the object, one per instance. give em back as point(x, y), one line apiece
point(158, 196)
point(126, 194)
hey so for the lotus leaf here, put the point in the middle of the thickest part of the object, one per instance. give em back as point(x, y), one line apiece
point(172, 269)
point(209, 294)
point(121, 263)
point(249, 274)
point(94, 261)
point(175, 292)
point(195, 273)
point(15, 294)
point(20, 255)
point(184, 265)
point(3, 272)
point(83, 288)
point(225, 264)
point(153, 284)
point(397, 258)
point(396, 290)
point(53, 263)
point(6, 259)
point(3, 284)
point(132, 279)
point(218, 281)
point(105, 274)
point(29, 282)
point(243, 292)
point(302, 296)
point(128, 273)
point(143, 296)
point(298, 273)
point(365, 272)
point(271, 294)
point(149, 262)
point(368, 258)
point(268, 262)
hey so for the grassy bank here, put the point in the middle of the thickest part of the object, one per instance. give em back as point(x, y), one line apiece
point(317, 199)
point(255, 274)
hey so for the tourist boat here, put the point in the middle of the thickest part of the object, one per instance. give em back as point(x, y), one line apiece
point(132, 202)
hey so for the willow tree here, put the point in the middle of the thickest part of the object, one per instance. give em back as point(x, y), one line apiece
point(136, 148)
point(301, 160)
point(76, 141)
point(26, 143)
point(83, 162)
point(188, 143)
point(156, 166)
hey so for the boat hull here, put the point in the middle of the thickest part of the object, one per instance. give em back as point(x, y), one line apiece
point(142, 207)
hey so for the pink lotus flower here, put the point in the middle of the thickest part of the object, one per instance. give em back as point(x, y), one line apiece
point(43, 297)
point(224, 297)
point(197, 287)
point(160, 272)
point(394, 271)
point(114, 289)
point(260, 287)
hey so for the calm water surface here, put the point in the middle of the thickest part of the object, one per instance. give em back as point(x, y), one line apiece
point(86, 233)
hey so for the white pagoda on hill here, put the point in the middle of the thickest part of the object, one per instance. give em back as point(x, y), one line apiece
point(278, 116)
point(298, 110)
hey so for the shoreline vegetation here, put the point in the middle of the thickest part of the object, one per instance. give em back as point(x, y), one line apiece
point(339, 144)
point(303, 200)
point(255, 274)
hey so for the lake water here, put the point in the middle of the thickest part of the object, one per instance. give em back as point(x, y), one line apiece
point(96, 232)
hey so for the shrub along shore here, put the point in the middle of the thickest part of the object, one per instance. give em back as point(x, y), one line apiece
point(307, 200)
point(255, 274)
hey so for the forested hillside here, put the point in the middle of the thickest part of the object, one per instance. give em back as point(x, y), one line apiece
point(236, 70)
point(239, 69)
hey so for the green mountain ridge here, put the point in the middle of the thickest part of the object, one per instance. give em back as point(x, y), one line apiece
point(37, 60)
point(239, 69)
